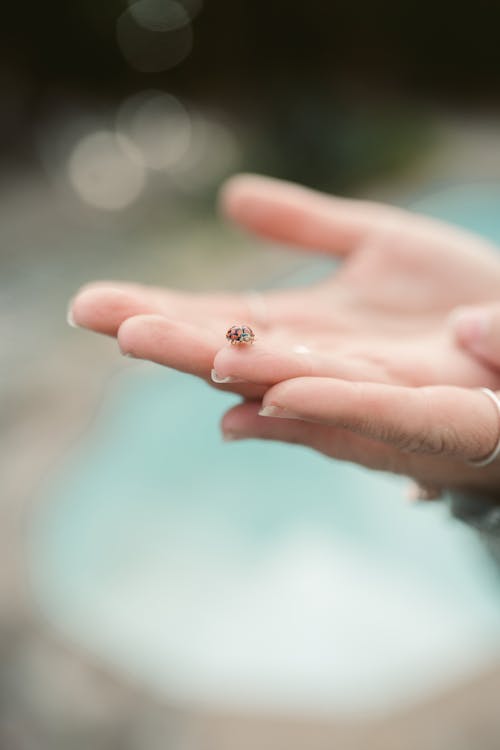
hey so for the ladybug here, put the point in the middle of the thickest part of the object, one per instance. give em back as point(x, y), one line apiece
point(240, 335)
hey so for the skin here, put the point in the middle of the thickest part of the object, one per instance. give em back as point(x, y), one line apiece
point(477, 330)
point(382, 377)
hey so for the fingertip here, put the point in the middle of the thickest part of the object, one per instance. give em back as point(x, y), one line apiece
point(259, 203)
point(307, 397)
point(234, 191)
point(102, 308)
point(241, 419)
point(230, 193)
point(130, 334)
point(168, 342)
point(470, 325)
point(261, 364)
point(289, 389)
point(232, 360)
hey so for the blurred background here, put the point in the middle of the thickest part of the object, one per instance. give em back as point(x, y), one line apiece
point(142, 606)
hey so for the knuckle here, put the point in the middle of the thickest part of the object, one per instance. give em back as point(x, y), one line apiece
point(430, 437)
point(433, 442)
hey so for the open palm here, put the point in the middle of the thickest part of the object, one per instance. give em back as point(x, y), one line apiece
point(381, 317)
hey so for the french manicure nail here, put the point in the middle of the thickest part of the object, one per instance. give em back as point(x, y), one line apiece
point(69, 317)
point(277, 411)
point(229, 437)
point(412, 493)
point(228, 379)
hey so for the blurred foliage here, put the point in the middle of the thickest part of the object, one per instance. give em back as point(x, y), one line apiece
point(403, 45)
point(318, 80)
point(335, 144)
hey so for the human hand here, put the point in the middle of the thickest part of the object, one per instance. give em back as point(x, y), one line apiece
point(381, 317)
point(427, 433)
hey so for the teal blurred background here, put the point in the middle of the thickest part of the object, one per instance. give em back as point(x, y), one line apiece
point(147, 606)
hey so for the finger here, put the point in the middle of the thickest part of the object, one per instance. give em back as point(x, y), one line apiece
point(394, 363)
point(244, 422)
point(104, 306)
point(181, 346)
point(296, 215)
point(434, 420)
point(266, 364)
point(477, 329)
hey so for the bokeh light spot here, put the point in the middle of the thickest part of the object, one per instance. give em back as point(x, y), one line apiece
point(104, 172)
point(154, 36)
point(159, 126)
point(214, 153)
point(159, 15)
point(192, 7)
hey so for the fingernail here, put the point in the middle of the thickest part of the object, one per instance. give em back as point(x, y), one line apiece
point(229, 437)
point(471, 324)
point(423, 493)
point(69, 316)
point(301, 349)
point(276, 411)
point(412, 493)
point(126, 354)
point(228, 379)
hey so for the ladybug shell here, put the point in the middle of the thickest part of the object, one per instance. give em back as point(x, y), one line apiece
point(240, 335)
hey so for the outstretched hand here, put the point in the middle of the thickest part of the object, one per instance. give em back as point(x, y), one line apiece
point(363, 365)
point(430, 433)
point(380, 318)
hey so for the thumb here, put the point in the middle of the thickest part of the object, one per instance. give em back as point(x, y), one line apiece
point(477, 329)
